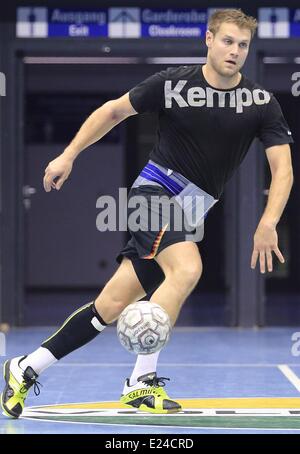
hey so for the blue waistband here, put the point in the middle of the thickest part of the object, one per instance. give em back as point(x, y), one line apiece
point(153, 173)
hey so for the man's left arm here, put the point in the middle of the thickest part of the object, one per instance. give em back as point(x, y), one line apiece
point(265, 238)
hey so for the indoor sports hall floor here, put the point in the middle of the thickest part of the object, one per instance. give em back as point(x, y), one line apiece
point(203, 363)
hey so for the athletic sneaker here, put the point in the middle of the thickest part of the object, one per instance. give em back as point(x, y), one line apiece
point(148, 395)
point(18, 382)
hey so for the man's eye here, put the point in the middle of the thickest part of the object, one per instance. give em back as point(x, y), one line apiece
point(228, 41)
point(243, 45)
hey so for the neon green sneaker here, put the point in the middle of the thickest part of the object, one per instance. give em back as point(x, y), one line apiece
point(18, 382)
point(149, 395)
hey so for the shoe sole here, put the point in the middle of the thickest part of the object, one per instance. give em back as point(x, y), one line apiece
point(6, 372)
point(162, 412)
point(144, 408)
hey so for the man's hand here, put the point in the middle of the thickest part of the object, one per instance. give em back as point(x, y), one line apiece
point(265, 242)
point(58, 168)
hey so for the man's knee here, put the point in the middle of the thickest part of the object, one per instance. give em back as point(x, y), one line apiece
point(109, 307)
point(122, 289)
point(186, 274)
point(191, 273)
point(182, 264)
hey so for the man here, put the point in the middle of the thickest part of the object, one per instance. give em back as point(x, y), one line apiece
point(208, 116)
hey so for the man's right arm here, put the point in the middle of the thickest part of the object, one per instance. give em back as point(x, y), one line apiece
point(99, 123)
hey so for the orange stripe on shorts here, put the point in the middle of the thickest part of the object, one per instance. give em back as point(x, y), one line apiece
point(156, 243)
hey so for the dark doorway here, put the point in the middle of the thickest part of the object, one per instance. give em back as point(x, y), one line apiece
point(282, 287)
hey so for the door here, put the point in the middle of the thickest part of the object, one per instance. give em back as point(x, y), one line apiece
point(67, 260)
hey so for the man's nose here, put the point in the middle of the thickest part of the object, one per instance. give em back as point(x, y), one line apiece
point(234, 51)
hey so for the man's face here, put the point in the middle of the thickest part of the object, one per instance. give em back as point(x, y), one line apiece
point(228, 48)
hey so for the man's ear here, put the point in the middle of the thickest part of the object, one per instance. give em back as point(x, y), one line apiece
point(209, 38)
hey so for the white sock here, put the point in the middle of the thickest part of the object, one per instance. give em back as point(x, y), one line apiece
point(144, 365)
point(39, 360)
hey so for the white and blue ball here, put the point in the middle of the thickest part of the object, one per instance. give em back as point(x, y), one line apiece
point(144, 327)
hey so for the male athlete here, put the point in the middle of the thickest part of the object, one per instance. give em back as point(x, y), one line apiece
point(208, 117)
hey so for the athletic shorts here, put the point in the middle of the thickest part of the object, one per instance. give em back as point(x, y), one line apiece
point(147, 242)
point(154, 184)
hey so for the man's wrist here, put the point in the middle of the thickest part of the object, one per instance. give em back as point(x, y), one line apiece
point(268, 222)
point(70, 153)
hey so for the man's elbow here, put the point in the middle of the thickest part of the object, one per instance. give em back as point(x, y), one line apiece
point(112, 111)
point(120, 108)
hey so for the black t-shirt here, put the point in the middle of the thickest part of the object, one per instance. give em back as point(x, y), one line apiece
point(204, 133)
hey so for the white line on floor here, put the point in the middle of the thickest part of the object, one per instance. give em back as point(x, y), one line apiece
point(83, 364)
point(290, 375)
point(221, 365)
point(151, 426)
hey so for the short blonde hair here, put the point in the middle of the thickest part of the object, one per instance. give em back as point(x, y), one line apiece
point(234, 16)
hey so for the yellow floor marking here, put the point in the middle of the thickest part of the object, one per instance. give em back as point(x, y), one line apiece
point(244, 402)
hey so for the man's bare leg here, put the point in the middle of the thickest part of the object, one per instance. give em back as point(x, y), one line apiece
point(122, 289)
point(182, 265)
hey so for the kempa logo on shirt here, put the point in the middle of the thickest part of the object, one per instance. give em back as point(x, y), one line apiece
point(209, 97)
